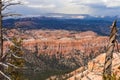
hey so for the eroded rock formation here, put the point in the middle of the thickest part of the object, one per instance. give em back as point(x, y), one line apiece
point(60, 41)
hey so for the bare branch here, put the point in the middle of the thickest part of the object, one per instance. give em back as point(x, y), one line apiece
point(10, 14)
point(3, 57)
point(15, 46)
point(5, 65)
point(5, 75)
point(17, 56)
point(6, 1)
point(9, 4)
point(12, 65)
point(10, 41)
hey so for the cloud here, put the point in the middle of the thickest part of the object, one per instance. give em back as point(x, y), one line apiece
point(90, 3)
point(38, 4)
point(86, 2)
point(112, 3)
point(100, 7)
point(92, 7)
point(42, 6)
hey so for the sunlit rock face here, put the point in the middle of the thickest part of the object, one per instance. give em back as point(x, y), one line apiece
point(60, 41)
point(66, 46)
point(95, 68)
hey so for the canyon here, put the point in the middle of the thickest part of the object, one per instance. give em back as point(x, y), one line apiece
point(60, 47)
point(58, 50)
point(59, 41)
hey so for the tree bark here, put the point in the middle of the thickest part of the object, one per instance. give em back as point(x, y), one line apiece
point(1, 42)
point(110, 49)
point(1, 33)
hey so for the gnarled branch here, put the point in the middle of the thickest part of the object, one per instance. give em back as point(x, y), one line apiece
point(9, 4)
point(5, 75)
point(12, 65)
point(5, 65)
point(10, 14)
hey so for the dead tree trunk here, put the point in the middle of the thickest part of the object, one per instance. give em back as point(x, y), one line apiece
point(109, 54)
point(3, 5)
point(1, 41)
point(1, 36)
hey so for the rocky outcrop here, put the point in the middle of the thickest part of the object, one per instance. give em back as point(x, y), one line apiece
point(92, 71)
point(95, 68)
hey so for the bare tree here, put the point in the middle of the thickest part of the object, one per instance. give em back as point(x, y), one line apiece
point(109, 54)
point(4, 4)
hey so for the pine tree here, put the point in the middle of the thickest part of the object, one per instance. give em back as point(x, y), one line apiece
point(15, 59)
point(3, 5)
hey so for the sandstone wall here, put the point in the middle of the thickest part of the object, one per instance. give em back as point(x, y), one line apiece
point(88, 45)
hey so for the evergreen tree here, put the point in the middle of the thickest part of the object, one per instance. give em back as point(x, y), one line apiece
point(15, 60)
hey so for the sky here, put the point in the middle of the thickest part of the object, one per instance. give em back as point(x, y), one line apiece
point(91, 7)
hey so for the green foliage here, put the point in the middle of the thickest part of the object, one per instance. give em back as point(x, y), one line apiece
point(15, 73)
point(110, 77)
point(16, 50)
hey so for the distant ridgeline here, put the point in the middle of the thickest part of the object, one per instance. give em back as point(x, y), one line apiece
point(100, 26)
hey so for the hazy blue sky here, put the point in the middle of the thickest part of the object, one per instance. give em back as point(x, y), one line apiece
point(92, 7)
